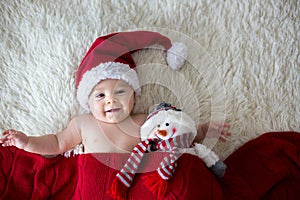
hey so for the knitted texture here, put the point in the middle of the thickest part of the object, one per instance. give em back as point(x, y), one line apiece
point(273, 156)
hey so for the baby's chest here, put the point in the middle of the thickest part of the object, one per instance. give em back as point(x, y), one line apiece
point(108, 140)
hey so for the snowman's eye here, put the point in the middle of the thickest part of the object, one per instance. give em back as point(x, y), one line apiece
point(158, 125)
point(167, 124)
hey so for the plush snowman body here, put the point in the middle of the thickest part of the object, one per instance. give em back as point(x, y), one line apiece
point(167, 122)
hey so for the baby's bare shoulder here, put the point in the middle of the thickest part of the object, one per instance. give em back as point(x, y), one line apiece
point(80, 120)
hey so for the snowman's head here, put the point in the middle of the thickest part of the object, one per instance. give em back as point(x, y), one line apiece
point(167, 123)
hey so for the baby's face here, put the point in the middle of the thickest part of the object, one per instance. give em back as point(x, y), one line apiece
point(111, 101)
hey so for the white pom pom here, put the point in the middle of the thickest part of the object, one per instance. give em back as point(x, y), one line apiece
point(177, 55)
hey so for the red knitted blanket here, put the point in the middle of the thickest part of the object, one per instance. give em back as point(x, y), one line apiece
point(266, 167)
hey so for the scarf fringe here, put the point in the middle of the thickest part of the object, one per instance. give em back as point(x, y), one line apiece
point(156, 184)
point(118, 190)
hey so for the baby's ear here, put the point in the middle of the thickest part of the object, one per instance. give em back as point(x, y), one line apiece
point(135, 95)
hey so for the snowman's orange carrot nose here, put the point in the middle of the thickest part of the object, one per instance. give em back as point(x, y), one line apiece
point(162, 133)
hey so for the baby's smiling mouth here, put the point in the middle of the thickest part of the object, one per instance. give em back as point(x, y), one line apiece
point(113, 110)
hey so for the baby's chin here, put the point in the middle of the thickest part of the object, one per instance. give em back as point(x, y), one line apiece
point(116, 119)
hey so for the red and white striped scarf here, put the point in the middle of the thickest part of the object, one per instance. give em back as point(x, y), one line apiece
point(166, 167)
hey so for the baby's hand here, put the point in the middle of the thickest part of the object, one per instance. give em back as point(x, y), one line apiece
point(216, 130)
point(14, 138)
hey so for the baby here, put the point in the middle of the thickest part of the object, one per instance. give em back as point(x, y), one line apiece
point(107, 85)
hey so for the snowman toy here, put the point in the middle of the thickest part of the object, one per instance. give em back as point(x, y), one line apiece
point(166, 121)
point(167, 129)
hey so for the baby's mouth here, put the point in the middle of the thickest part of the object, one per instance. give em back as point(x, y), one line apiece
point(113, 110)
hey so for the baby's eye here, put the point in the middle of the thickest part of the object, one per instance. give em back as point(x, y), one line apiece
point(100, 95)
point(120, 92)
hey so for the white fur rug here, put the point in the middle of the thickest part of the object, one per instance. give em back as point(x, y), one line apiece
point(243, 65)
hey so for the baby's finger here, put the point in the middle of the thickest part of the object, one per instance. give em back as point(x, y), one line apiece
point(225, 126)
point(5, 143)
point(3, 138)
point(216, 126)
point(221, 126)
point(222, 138)
point(4, 133)
point(7, 132)
point(226, 133)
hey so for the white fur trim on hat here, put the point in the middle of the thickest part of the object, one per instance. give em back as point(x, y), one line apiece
point(108, 70)
point(176, 55)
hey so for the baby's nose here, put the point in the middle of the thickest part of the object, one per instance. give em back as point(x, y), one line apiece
point(110, 99)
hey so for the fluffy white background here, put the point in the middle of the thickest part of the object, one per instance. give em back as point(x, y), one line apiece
point(243, 64)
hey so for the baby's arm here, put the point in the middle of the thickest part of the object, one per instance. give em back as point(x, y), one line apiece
point(213, 130)
point(46, 144)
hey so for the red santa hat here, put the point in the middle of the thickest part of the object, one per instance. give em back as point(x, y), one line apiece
point(110, 57)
